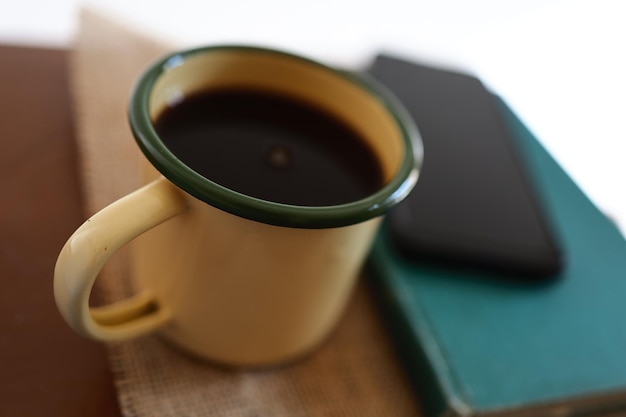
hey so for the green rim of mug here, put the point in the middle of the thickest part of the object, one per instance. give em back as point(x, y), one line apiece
point(278, 214)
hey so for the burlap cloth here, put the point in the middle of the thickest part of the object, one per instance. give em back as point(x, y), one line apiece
point(355, 373)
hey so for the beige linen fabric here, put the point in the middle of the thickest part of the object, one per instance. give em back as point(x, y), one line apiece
point(355, 373)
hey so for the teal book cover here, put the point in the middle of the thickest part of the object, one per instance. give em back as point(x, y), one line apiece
point(481, 345)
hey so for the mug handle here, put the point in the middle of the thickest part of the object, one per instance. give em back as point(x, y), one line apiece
point(91, 246)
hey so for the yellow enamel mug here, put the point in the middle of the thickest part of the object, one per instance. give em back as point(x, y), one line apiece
point(225, 276)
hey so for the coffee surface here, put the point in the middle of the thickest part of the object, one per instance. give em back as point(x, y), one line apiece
point(271, 147)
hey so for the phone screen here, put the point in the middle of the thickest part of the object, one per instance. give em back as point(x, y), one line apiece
point(474, 203)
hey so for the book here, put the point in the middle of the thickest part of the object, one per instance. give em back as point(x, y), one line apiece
point(478, 344)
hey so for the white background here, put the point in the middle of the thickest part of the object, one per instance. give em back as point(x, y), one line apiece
point(560, 64)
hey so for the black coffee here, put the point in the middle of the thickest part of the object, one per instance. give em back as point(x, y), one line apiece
point(271, 147)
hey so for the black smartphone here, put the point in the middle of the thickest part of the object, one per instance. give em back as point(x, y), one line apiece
point(474, 203)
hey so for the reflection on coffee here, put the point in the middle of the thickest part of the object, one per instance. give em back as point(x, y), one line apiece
point(271, 147)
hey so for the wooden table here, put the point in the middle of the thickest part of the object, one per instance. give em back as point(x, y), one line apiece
point(46, 369)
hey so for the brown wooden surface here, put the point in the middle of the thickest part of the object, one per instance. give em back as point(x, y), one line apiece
point(45, 369)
